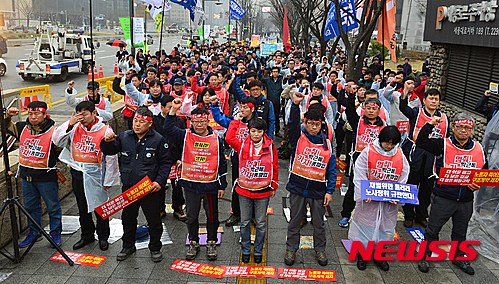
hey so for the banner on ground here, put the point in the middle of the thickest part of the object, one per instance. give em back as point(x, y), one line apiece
point(255, 40)
point(136, 192)
point(452, 176)
point(250, 271)
point(267, 49)
point(389, 191)
point(80, 258)
point(348, 19)
point(198, 268)
point(306, 274)
point(236, 12)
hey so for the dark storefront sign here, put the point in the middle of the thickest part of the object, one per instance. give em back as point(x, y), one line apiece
point(465, 22)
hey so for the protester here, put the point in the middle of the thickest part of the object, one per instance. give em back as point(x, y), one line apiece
point(206, 181)
point(102, 104)
point(376, 220)
point(257, 180)
point(311, 183)
point(37, 169)
point(144, 152)
point(80, 139)
point(456, 201)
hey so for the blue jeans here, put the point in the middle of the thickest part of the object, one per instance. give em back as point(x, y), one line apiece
point(49, 192)
point(260, 208)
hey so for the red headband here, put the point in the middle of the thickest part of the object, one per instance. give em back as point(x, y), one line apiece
point(40, 109)
point(250, 105)
point(372, 105)
point(144, 117)
point(194, 116)
point(464, 122)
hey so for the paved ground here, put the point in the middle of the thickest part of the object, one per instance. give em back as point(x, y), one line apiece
point(36, 268)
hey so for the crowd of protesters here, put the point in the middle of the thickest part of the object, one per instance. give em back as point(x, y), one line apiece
point(187, 109)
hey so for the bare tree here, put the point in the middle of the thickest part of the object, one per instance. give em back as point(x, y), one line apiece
point(26, 8)
point(294, 21)
point(357, 46)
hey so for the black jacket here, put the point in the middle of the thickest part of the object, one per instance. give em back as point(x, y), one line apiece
point(158, 122)
point(139, 158)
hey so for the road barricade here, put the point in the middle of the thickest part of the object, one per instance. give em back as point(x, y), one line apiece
point(31, 94)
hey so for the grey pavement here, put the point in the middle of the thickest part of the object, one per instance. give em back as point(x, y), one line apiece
point(37, 268)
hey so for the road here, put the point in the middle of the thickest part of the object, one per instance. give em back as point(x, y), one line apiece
point(105, 55)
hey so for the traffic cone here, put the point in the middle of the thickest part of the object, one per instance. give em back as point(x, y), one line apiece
point(89, 78)
point(101, 71)
point(96, 75)
point(116, 71)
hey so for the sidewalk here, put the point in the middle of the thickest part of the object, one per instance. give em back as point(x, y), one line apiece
point(36, 268)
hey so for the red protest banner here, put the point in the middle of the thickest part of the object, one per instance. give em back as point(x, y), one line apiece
point(80, 258)
point(452, 176)
point(198, 268)
point(339, 180)
point(403, 126)
point(485, 177)
point(136, 192)
point(250, 271)
point(341, 165)
point(306, 274)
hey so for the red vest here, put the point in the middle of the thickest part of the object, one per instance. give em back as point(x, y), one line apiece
point(200, 158)
point(130, 106)
point(382, 167)
point(440, 131)
point(255, 171)
point(223, 96)
point(85, 147)
point(324, 102)
point(34, 150)
point(173, 94)
point(454, 157)
point(242, 132)
point(311, 160)
point(100, 105)
point(366, 134)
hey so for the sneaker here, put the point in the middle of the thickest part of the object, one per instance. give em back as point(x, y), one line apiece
point(321, 258)
point(344, 222)
point(383, 265)
point(246, 258)
point(31, 237)
point(193, 250)
point(464, 266)
point(408, 223)
point(56, 237)
point(156, 256)
point(180, 215)
point(211, 250)
point(289, 257)
point(424, 266)
point(361, 264)
point(232, 221)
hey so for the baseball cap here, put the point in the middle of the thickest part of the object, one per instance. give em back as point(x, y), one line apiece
point(93, 85)
point(178, 81)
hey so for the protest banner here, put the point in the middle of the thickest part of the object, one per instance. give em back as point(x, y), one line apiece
point(341, 165)
point(306, 274)
point(272, 40)
point(255, 40)
point(453, 176)
point(403, 126)
point(267, 49)
point(136, 192)
point(80, 258)
point(250, 271)
point(198, 268)
point(389, 191)
point(339, 181)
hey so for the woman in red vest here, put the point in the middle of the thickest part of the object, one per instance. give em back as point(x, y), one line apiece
point(257, 181)
point(375, 220)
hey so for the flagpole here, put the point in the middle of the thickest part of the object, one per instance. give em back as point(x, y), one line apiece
point(230, 31)
point(383, 36)
point(92, 62)
point(132, 49)
point(161, 33)
point(145, 29)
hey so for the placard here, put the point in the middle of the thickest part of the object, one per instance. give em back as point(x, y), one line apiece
point(306, 274)
point(268, 49)
point(389, 191)
point(403, 126)
point(198, 268)
point(136, 192)
point(80, 258)
point(416, 233)
point(485, 177)
point(339, 180)
point(250, 271)
point(341, 165)
point(255, 40)
point(450, 176)
point(494, 88)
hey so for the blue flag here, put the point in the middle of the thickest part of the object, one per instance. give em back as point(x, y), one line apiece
point(347, 21)
point(189, 5)
point(236, 11)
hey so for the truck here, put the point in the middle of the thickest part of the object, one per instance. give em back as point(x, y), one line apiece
point(55, 55)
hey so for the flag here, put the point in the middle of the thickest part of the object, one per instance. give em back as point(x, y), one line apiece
point(347, 21)
point(386, 29)
point(285, 30)
point(156, 12)
point(195, 8)
point(236, 12)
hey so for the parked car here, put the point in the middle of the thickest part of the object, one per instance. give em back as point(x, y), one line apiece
point(3, 67)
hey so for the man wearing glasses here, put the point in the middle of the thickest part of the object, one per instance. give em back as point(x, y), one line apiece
point(456, 201)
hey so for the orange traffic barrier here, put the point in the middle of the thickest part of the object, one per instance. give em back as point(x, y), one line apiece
point(30, 94)
point(89, 78)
